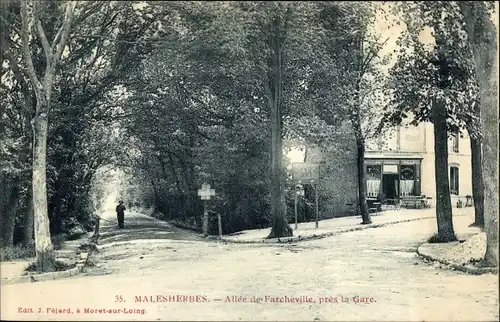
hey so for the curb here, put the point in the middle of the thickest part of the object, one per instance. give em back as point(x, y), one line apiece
point(32, 278)
point(469, 269)
point(319, 236)
point(184, 226)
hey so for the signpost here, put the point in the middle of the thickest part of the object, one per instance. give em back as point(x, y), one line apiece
point(306, 173)
point(316, 195)
point(205, 193)
point(299, 191)
point(296, 192)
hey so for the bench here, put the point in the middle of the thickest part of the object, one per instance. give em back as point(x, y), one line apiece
point(372, 207)
point(413, 202)
point(393, 204)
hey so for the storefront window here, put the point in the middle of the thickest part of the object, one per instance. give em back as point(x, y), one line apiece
point(407, 180)
point(373, 171)
point(373, 180)
point(408, 172)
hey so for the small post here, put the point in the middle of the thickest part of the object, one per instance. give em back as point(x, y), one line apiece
point(220, 225)
point(205, 193)
point(205, 218)
point(296, 219)
point(95, 237)
point(317, 213)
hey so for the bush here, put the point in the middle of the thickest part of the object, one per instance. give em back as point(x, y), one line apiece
point(17, 252)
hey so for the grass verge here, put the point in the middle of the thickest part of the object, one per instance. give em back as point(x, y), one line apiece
point(17, 252)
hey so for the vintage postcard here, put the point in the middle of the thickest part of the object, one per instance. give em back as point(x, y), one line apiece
point(249, 161)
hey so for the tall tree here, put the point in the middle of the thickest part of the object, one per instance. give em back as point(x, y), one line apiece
point(32, 16)
point(273, 84)
point(482, 38)
point(477, 167)
point(351, 84)
point(433, 82)
point(282, 41)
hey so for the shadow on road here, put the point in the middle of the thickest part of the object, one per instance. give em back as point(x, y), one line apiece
point(138, 226)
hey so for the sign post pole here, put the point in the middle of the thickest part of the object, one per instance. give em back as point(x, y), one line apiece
point(307, 173)
point(296, 219)
point(316, 195)
point(205, 218)
point(220, 226)
point(205, 193)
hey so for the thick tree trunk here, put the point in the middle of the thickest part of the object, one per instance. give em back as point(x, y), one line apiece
point(27, 235)
point(489, 120)
point(490, 167)
point(477, 181)
point(482, 36)
point(363, 204)
point(280, 227)
point(45, 255)
point(443, 200)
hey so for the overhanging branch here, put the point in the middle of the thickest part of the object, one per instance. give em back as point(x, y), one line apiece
point(65, 28)
point(25, 30)
point(45, 43)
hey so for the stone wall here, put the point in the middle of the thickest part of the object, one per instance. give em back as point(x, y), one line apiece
point(338, 185)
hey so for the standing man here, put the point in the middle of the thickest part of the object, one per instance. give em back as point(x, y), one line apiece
point(120, 213)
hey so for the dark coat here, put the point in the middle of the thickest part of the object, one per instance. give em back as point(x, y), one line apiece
point(120, 210)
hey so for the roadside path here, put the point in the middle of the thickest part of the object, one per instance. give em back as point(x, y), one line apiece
point(336, 225)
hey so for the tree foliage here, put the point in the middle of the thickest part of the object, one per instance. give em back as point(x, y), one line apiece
point(200, 106)
point(434, 65)
point(104, 45)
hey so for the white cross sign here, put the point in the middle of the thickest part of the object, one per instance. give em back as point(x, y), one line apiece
point(205, 192)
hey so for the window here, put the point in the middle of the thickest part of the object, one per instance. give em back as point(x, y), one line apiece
point(373, 172)
point(373, 180)
point(454, 180)
point(407, 172)
point(407, 180)
point(456, 142)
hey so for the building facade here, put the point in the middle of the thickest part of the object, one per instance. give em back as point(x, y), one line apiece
point(398, 163)
point(402, 163)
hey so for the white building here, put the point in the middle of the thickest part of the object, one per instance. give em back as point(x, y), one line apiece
point(402, 163)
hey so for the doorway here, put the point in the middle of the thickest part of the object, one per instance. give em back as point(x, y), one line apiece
point(390, 185)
